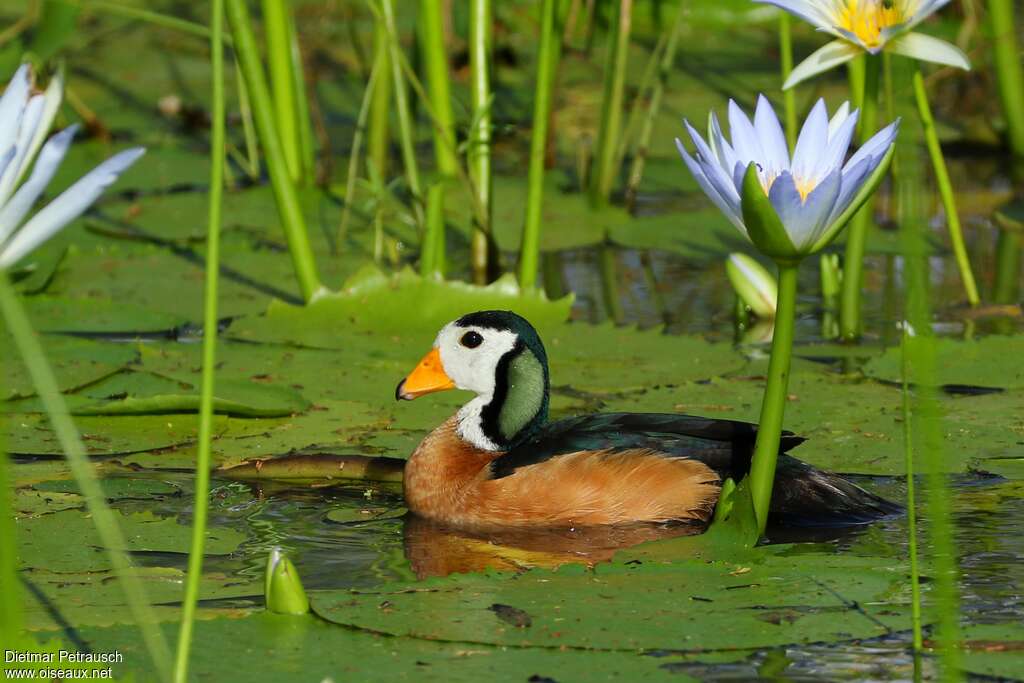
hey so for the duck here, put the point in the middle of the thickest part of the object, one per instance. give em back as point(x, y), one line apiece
point(500, 462)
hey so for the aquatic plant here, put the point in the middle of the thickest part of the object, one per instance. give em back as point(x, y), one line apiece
point(212, 274)
point(282, 588)
point(868, 27)
point(479, 152)
point(789, 208)
point(754, 285)
point(603, 175)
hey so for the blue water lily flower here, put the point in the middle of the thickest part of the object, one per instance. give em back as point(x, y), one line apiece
point(869, 26)
point(789, 207)
point(25, 120)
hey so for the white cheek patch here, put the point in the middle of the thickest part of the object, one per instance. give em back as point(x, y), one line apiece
point(473, 369)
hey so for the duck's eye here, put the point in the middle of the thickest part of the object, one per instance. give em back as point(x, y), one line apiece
point(471, 340)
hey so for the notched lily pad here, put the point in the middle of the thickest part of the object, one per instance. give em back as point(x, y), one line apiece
point(989, 362)
point(75, 362)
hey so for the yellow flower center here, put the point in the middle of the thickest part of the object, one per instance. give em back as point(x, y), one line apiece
point(804, 186)
point(866, 19)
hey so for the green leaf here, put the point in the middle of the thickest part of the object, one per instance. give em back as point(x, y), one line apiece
point(76, 363)
point(762, 222)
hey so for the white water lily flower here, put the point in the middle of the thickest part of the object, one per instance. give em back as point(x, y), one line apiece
point(869, 26)
point(812, 195)
point(25, 120)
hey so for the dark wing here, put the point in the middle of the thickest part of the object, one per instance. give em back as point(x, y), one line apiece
point(723, 445)
point(803, 495)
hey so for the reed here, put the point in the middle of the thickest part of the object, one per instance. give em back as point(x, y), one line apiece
point(290, 212)
point(956, 235)
point(369, 98)
point(203, 456)
point(480, 20)
point(277, 27)
point(1009, 73)
point(602, 177)
point(853, 260)
point(665, 63)
point(378, 131)
point(406, 131)
point(547, 65)
point(435, 60)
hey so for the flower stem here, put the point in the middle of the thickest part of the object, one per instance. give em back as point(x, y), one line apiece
point(602, 177)
point(788, 96)
point(1009, 74)
point(769, 431)
point(263, 114)
point(956, 235)
point(406, 130)
point(202, 479)
point(853, 261)
point(107, 528)
point(480, 135)
point(546, 67)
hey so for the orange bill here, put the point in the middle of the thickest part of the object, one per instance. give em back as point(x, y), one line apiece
point(426, 378)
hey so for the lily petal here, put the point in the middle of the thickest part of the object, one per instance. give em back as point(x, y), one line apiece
point(876, 146)
point(927, 49)
point(713, 170)
point(730, 210)
point(828, 57)
point(923, 10)
point(840, 115)
point(811, 143)
point(852, 179)
point(773, 140)
point(802, 219)
point(12, 104)
point(744, 138)
point(813, 13)
point(29, 123)
point(67, 207)
point(51, 103)
point(46, 166)
point(839, 142)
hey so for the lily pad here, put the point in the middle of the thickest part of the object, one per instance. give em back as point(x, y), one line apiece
point(772, 599)
point(55, 314)
point(987, 362)
point(29, 434)
point(75, 363)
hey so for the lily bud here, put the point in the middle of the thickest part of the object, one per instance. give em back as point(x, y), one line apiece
point(283, 591)
point(753, 284)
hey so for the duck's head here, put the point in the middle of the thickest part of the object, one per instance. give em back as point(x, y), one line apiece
point(498, 356)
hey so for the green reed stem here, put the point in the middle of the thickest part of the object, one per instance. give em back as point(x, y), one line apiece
point(480, 135)
point(635, 111)
point(293, 221)
point(304, 121)
point(908, 459)
point(202, 480)
point(855, 77)
point(529, 253)
point(155, 18)
point(406, 130)
point(928, 431)
point(956, 235)
point(602, 178)
point(786, 58)
point(11, 622)
point(1006, 286)
point(853, 261)
point(773, 406)
point(1009, 73)
point(435, 59)
point(276, 20)
point(432, 261)
point(374, 82)
point(252, 148)
point(379, 139)
point(610, 284)
point(85, 477)
point(668, 58)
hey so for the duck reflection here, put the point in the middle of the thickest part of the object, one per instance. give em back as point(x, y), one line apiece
point(436, 549)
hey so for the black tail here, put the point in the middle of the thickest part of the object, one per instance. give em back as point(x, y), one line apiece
point(805, 496)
